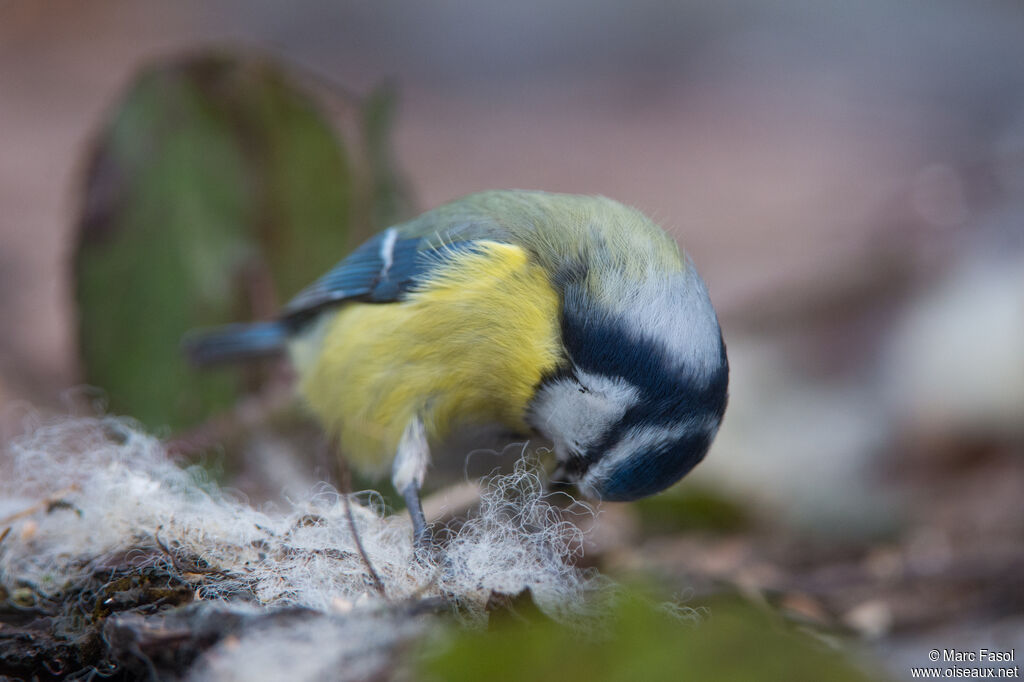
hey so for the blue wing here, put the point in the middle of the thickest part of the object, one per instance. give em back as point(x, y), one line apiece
point(382, 270)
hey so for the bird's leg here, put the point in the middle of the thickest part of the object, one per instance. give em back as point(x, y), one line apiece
point(407, 473)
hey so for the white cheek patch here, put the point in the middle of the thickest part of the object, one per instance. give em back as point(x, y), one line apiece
point(642, 440)
point(613, 390)
point(576, 420)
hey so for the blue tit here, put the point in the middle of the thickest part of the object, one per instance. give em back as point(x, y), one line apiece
point(572, 317)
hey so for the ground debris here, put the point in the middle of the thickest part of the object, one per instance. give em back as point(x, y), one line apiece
point(148, 570)
point(67, 632)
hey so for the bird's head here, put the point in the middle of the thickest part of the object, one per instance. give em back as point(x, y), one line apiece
point(642, 392)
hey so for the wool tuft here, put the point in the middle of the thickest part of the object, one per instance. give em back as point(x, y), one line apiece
point(84, 496)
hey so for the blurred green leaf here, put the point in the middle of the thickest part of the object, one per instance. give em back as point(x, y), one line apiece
point(690, 507)
point(216, 191)
point(734, 641)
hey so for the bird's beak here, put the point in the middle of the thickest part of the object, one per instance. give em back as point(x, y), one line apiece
point(559, 480)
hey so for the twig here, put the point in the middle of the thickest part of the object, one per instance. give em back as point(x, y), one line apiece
point(377, 582)
point(198, 570)
point(346, 490)
point(39, 506)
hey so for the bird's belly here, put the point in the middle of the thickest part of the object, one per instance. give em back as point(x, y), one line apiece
point(469, 347)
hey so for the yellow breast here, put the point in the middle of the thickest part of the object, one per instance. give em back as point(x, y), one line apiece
point(467, 347)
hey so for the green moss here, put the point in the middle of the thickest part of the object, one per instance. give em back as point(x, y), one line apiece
point(735, 641)
point(688, 507)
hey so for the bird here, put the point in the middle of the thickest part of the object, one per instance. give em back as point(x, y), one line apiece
point(574, 318)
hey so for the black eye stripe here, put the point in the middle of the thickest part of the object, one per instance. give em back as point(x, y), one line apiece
point(601, 345)
point(668, 395)
point(692, 401)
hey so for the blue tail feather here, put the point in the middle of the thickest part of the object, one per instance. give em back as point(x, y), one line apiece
point(234, 343)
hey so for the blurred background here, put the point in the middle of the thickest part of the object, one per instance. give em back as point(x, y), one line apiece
point(849, 179)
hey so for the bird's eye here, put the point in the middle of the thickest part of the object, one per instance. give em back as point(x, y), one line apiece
point(581, 388)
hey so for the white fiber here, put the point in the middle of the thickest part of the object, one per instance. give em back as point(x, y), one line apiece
point(79, 494)
point(318, 647)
